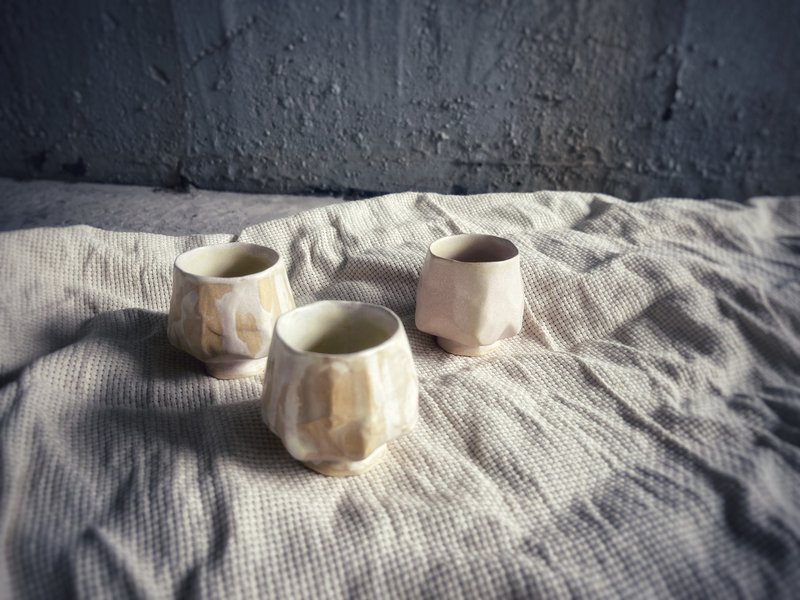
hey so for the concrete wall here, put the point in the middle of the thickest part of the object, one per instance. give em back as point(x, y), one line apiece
point(632, 97)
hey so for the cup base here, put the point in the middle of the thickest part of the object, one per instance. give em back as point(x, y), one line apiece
point(454, 347)
point(237, 369)
point(347, 468)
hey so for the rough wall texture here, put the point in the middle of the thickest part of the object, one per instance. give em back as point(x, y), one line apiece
point(631, 97)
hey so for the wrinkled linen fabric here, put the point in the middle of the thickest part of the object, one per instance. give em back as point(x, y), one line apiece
point(639, 438)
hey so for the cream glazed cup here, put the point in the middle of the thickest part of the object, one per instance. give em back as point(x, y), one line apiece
point(470, 294)
point(340, 385)
point(226, 299)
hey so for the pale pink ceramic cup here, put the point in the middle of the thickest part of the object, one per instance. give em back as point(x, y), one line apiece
point(470, 293)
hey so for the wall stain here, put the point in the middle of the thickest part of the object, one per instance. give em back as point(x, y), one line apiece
point(76, 169)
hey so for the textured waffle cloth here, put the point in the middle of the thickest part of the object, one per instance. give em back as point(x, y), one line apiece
point(639, 438)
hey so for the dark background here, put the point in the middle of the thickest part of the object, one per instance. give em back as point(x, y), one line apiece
point(636, 98)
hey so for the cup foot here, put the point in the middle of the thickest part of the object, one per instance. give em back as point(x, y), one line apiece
point(236, 369)
point(347, 468)
point(454, 347)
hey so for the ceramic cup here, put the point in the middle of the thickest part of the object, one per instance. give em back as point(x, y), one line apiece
point(225, 301)
point(470, 293)
point(340, 385)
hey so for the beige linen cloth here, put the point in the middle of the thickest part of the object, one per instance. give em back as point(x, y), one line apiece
point(639, 438)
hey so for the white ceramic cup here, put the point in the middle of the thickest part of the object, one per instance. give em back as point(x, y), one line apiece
point(340, 385)
point(225, 301)
point(470, 293)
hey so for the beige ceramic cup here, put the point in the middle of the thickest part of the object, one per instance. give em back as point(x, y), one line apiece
point(225, 301)
point(340, 385)
point(470, 293)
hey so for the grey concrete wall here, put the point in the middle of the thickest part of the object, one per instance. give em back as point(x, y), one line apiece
point(631, 97)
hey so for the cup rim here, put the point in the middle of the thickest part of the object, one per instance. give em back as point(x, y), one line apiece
point(258, 249)
point(298, 312)
point(475, 236)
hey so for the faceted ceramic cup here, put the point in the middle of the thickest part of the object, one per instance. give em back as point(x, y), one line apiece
point(340, 385)
point(225, 301)
point(470, 293)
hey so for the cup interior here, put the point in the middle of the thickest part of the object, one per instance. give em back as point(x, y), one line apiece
point(474, 248)
point(332, 327)
point(227, 260)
